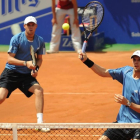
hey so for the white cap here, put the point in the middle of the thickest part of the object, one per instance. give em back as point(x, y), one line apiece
point(30, 19)
point(136, 53)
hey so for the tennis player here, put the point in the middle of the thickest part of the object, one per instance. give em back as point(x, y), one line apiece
point(18, 72)
point(129, 111)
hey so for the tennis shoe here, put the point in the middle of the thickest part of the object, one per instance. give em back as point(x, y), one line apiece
point(44, 129)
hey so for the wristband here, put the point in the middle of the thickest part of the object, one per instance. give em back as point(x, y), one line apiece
point(37, 68)
point(89, 63)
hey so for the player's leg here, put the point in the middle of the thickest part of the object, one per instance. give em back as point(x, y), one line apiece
point(39, 104)
point(76, 34)
point(8, 83)
point(3, 94)
point(56, 31)
point(136, 135)
point(118, 134)
point(39, 101)
point(29, 87)
point(112, 134)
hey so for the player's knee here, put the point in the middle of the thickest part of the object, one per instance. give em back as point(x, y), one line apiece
point(39, 92)
point(3, 96)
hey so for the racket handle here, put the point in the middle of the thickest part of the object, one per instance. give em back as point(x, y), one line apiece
point(34, 65)
point(84, 46)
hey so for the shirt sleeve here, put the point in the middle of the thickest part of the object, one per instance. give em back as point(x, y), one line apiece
point(117, 74)
point(13, 48)
point(42, 49)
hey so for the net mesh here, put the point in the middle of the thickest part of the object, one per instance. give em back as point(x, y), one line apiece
point(92, 15)
point(60, 131)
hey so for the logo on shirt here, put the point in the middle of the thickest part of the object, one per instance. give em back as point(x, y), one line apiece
point(135, 91)
point(137, 135)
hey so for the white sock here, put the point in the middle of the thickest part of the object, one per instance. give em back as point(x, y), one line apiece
point(39, 117)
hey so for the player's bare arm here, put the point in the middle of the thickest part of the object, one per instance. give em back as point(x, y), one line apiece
point(135, 107)
point(39, 60)
point(96, 68)
point(13, 61)
point(122, 100)
point(100, 70)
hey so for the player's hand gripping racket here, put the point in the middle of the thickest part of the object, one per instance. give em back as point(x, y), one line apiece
point(33, 56)
point(92, 17)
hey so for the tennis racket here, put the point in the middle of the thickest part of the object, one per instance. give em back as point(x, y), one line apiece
point(32, 52)
point(92, 17)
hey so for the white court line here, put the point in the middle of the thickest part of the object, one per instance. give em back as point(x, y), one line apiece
point(46, 93)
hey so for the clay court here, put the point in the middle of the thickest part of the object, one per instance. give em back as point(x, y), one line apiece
point(73, 93)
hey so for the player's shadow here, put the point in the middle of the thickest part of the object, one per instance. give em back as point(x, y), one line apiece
point(122, 11)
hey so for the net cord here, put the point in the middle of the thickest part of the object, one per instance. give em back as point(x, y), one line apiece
point(67, 125)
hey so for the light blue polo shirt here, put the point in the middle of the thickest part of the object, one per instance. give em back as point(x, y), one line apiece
point(20, 46)
point(131, 91)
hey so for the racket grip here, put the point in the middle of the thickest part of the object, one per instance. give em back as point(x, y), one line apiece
point(33, 71)
point(84, 46)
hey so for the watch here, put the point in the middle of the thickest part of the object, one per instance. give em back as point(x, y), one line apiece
point(128, 103)
point(25, 63)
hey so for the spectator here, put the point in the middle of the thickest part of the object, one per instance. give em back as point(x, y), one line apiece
point(64, 7)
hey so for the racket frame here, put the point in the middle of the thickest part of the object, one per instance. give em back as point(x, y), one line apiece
point(85, 31)
point(32, 52)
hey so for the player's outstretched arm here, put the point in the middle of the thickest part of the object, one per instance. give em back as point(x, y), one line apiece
point(13, 61)
point(122, 100)
point(96, 68)
point(100, 70)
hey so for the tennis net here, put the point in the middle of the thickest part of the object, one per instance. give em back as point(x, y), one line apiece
point(59, 131)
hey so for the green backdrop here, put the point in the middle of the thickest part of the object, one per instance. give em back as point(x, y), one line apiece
point(107, 47)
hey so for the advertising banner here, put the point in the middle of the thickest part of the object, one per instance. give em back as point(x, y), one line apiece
point(13, 13)
point(120, 24)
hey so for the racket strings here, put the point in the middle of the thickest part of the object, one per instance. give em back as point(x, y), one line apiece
point(92, 16)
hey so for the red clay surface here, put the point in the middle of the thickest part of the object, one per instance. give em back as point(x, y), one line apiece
point(73, 92)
